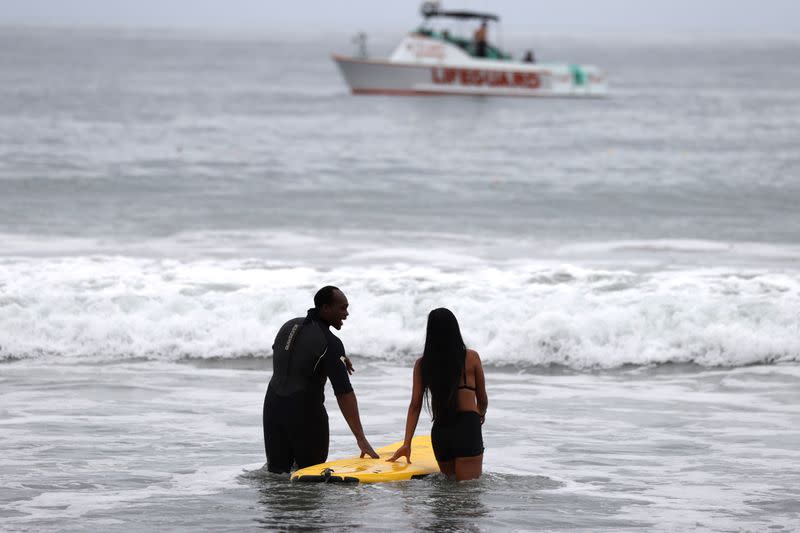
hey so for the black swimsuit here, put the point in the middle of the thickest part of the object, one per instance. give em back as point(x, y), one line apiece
point(459, 436)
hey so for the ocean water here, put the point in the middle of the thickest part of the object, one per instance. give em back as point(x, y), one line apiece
point(626, 267)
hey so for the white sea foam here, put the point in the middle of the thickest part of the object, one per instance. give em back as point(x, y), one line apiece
point(112, 308)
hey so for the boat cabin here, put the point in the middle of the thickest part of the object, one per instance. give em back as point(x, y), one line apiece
point(430, 10)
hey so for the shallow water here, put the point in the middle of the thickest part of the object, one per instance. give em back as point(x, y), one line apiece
point(152, 445)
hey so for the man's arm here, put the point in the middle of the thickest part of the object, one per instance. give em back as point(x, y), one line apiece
point(336, 368)
point(349, 407)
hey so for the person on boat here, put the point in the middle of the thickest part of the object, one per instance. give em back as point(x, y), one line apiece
point(480, 40)
point(449, 376)
point(304, 356)
point(529, 57)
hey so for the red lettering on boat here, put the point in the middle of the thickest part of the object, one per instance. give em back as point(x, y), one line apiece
point(492, 78)
point(443, 75)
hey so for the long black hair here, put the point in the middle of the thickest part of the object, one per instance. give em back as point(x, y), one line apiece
point(442, 363)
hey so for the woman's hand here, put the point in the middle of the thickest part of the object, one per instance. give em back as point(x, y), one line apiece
point(402, 451)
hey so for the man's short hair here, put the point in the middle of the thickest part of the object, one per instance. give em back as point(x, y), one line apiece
point(324, 296)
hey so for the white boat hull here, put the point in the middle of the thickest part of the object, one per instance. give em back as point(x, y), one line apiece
point(483, 78)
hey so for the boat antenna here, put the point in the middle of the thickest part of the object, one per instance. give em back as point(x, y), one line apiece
point(360, 40)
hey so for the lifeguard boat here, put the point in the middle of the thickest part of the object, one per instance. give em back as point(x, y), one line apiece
point(429, 62)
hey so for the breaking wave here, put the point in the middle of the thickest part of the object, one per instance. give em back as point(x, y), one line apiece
point(115, 308)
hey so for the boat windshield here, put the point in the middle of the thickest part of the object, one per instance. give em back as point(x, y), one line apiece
point(465, 43)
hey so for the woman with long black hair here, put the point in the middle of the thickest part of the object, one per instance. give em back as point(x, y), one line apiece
point(449, 376)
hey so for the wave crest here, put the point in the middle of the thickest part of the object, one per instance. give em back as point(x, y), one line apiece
point(114, 308)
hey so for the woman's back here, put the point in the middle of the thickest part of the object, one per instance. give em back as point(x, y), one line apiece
point(467, 388)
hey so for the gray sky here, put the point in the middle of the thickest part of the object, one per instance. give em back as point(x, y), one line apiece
point(716, 16)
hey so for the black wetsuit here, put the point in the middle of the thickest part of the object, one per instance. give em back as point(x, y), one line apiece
point(305, 354)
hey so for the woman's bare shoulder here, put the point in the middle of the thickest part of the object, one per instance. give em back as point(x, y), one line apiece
point(473, 357)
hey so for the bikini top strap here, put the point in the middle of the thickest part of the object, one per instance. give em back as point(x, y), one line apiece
point(465, 386)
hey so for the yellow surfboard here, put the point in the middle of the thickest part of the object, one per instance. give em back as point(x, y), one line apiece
point(355, 470)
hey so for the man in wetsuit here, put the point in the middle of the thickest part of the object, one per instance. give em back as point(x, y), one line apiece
point(304, 356)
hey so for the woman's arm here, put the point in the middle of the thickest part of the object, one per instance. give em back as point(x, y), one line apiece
point(413, 414)
point(480, 387)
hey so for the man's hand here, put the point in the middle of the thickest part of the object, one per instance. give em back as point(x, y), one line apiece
point(348, 364)
point(349, 407)
point(402, 451)
point(366, 449)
